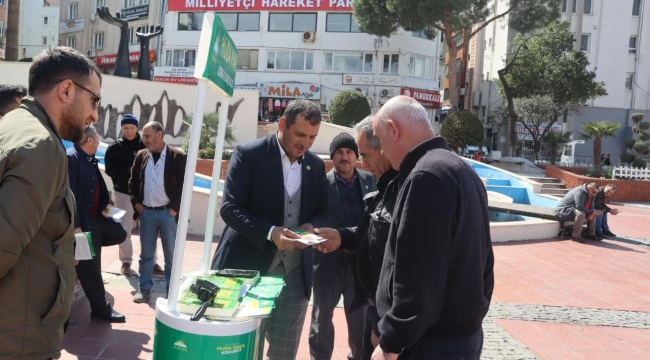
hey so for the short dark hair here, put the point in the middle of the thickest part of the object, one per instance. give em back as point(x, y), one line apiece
point(56, 63)
point(306, 108)
point(8, 95)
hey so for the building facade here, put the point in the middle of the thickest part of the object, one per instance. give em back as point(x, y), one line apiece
point(4, 15)
point(304, 49)
point(612, 34)
point(82, 29)
point(32, 26)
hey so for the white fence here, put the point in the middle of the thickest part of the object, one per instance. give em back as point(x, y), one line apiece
point(631, 173)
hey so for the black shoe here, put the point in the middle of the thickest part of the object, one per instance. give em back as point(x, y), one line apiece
point(600, 235)
point(609, 233)
point(111, 316)
point(594, 237)
point(578, 239)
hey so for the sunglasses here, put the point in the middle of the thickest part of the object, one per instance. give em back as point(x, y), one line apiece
point(98, 97)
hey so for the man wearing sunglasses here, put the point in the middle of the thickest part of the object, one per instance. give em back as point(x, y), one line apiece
point(37, 266)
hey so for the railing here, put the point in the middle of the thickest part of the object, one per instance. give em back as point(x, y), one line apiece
point(630, 173)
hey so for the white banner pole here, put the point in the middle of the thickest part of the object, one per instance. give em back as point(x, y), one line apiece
point(186, 200)
point(213, 203)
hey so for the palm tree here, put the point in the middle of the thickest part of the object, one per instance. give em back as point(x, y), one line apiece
point(208, 131)
point(554, 140)
point(596, 131)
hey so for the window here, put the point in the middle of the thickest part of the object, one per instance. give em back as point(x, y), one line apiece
point(98, 40)
point(3, 2)
point(72, 42)
point(44, 40)
point(632, 44)
point(247, 59)
point(341, 23)
point(348, 62)
point(564, 5)
point(180, 58)
point(129, 3)
point(133, 38)
point(636, 7)
point(292, 22)
point(584, 42)
point(144, 2)
point(629, 80)
point(241, 21)
point(391, 64)
point(586, 9)
point(421, 34)
point(46, 20)
point(421, 67)
point(73, 11)
point(290, 60)
point(191, 21)
point(101, 3)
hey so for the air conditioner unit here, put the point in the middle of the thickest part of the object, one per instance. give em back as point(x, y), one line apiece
point(91, 53)
point(385, 92)
point(476, 98)
point(309, 36)
point(462, 91)
point(93, 16)
point(242, 67)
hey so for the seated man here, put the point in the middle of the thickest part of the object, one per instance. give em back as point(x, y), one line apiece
point(577, 206)
point(602, 228)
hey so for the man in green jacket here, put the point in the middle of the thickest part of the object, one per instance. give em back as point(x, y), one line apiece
point(36, 205)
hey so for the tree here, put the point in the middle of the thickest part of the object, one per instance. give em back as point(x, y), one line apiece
point(209, 130)
point(554, 140)
point(637, 144)
point(545, 63)
point(462, 129)
point(455, 19)
point(537, 114)
point(348, 108)
point(596, 131)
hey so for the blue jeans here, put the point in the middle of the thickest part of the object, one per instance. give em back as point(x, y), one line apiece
point(601, 223)
point(153, 222)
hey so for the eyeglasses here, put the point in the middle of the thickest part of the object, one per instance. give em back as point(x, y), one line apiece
point(98, 98)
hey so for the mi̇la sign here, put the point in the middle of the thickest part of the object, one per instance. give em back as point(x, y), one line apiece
point(290, 91)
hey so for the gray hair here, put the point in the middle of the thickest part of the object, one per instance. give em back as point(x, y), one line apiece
point(406, 111)
point(156, 126)
point(365, 126)
point(89, 132)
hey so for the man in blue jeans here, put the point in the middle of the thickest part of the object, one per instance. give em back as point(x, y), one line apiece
point(602, 229)
point(156, 187)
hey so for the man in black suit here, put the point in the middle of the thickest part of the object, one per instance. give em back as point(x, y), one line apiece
point(334, 272)
point(275, 185)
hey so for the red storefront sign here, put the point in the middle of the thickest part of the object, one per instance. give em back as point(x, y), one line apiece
point(428, 99)
point(134, 57)
point(260, 5)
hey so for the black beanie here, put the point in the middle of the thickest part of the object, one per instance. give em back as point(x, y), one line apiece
point(343, 140)
point(129, 119)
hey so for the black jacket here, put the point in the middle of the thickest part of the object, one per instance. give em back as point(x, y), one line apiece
point(119, 160)
point(437, 276)
point(253, 202)
point(83, 173)
point(368, 240)
point(599, 201)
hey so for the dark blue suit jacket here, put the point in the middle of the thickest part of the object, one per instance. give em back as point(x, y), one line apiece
point(83, 172)
point(253, 202)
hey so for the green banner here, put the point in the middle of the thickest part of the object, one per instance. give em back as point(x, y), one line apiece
point(221, 64)
point(173, 344)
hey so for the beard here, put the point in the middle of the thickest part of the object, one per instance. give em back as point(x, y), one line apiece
point(72, 123)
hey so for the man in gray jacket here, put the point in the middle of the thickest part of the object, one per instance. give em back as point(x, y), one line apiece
point(578, 206)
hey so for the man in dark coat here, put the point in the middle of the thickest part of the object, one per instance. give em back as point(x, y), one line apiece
point(92, 197)
point(275, 185)
point(437, 276)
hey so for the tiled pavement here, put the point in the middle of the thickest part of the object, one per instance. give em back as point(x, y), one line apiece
point(545, 302)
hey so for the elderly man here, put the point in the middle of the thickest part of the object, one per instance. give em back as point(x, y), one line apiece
point(437, 275)
point(37, 226)
point(602, 228)
point(334, 273)
point(368, 239)
point(89, 189)
point(156, 187)
point(578, 206)
point(10, 96)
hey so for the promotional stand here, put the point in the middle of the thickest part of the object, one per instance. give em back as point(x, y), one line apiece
point(176, 337)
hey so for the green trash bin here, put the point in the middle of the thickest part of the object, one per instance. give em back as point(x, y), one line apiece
point(178, 338)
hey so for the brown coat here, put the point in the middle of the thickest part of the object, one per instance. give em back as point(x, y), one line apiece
point(175, 161)
point(36, 235)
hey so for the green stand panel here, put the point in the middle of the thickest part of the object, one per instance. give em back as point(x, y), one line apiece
point(178, 338)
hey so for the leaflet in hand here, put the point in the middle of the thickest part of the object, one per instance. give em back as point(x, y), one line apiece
point(84, 249)
point(308, 238)
point(114, 212)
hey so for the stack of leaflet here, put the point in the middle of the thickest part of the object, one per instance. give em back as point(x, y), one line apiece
point(238, 298)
